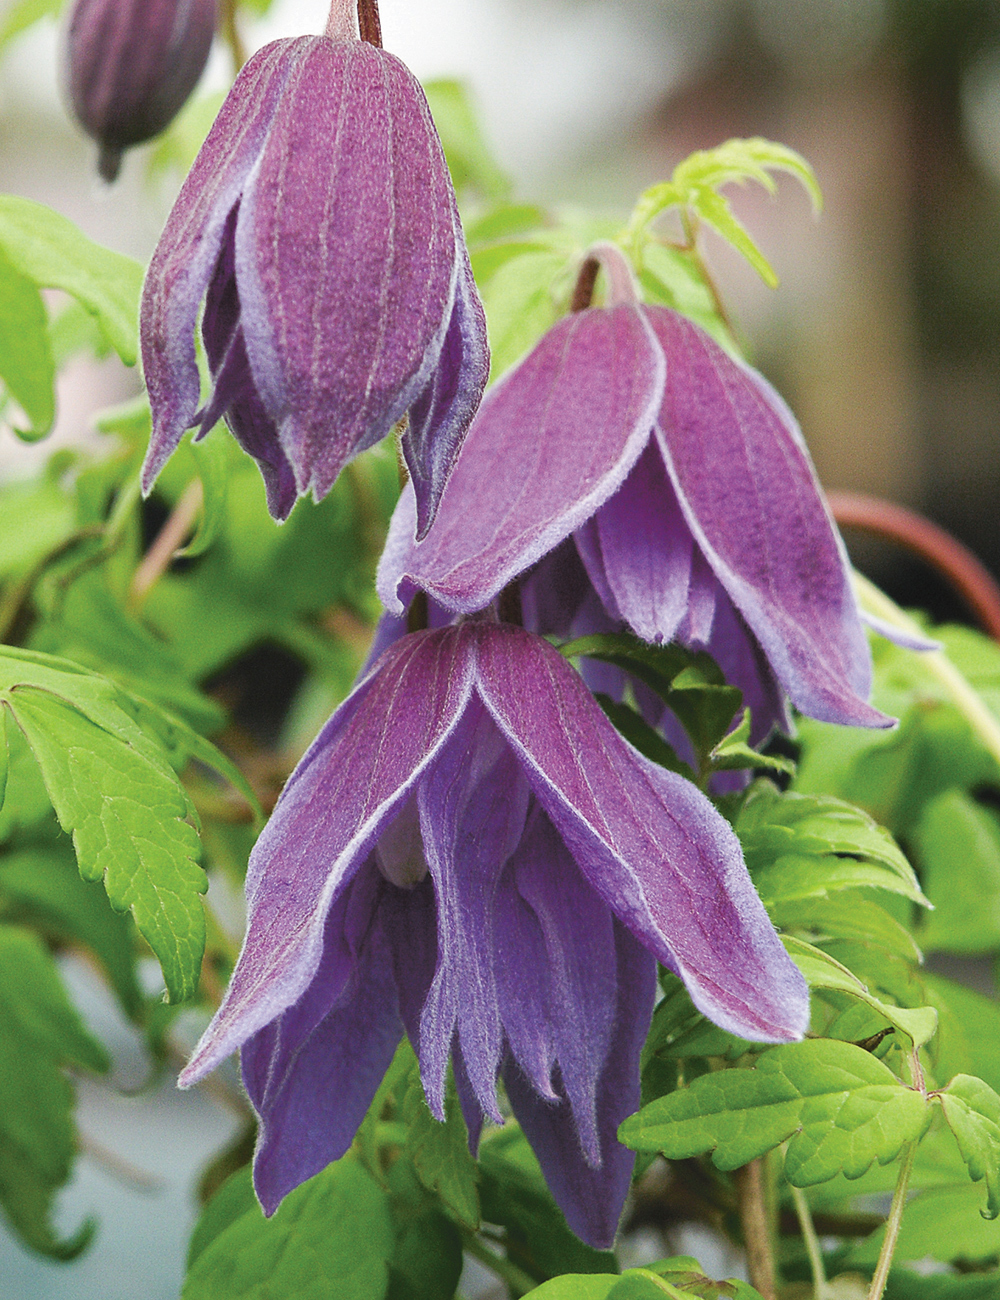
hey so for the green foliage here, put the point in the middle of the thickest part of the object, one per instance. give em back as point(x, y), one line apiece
point(27, 366)
point(837, 1106)
point(680, 1278)
point(330, 1237)
point(440, 1153)
point(22, 14)
point(694, 188)
point(40, 1032)
point(470, 161)
point(972, 1110)
point(957, 843)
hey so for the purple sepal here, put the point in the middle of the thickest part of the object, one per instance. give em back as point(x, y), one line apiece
point(320, 220)
point(131, 66)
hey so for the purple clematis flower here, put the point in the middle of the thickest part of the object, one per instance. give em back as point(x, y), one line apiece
point(131, 64)
point(471, 854)
point(684, 483)
point(319, 226)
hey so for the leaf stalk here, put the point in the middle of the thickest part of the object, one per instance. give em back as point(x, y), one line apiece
point(892, 1225)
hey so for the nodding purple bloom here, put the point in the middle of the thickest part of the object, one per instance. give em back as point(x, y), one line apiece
point(319, 226)
point(471, 854)
point(131, 66)
point(685, 485)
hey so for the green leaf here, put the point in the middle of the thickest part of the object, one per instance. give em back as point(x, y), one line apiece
point(809, 846)
point(211, 457)
point(732, 753)
point(27, 367)
point(42, 885)
point(821, 971)
point(637, 731)
point(176, 149)
point(670, 278)
point(426, 1263)
point(234, 1198)
point(38, 516)
point(332, 1236)
point(40, 1033)
point(520, 301)
point(22, 14)
point(113, 789)
point(470, 161)
point(503, 221)
point(514, 1194)
point(440, 1153)
point(957, 846)
point(837, 1106)
point(968, 1039)
point(680, 1278)
point(575, 1286)
point(52, 252)
point(944, 1223)
point(972, 1110)
point(847, 915)
point(687, 1274)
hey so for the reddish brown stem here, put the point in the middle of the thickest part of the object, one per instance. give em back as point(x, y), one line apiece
point(756, 1233)
point(970, 578)
point(583, 293)
point(369, 23)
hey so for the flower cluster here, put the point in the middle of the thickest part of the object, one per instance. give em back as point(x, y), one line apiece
point(469, 853)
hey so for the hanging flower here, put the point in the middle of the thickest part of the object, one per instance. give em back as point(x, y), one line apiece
point(319, 226)
point(688, 492)
point(131, 65)
point(469, 852)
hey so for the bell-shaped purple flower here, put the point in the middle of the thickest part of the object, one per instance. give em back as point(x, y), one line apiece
point(471, 854)
point(688, 492)
point(319, 226)
point(131, 65)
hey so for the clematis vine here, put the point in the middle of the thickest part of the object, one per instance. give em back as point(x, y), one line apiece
point(637, 469)
point(470, 854)
point(319, 226)
point(131, 64)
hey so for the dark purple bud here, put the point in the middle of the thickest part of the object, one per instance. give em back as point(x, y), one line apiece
point(132, 64)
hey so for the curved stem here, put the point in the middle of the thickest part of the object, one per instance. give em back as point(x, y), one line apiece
point(583, 291)
point(812, 1245)
point(369, 23)
point(170, 538)
point(893, 1224)
point(518, 1281)
point(970, 578)
point(756, 1233)
point(231, 33)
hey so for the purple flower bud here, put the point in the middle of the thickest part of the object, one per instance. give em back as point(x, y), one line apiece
point(132, 64)
point(319, 226)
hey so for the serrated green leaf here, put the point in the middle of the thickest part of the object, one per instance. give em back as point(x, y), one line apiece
point(41, 884)
point(55, 254)
point(440, 1153)
point(40, 1032)
point(847, 915)
point(972, 1110)
point(821, 971)
point(957, 846)
point(27, 366)
point(332, 1236)
point(838, 1108)
point(112, 788)
point(733, 753)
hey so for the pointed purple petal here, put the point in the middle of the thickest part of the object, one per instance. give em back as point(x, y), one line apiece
point(188, 250)
point(592, 1198)
point(750, 497)
point(651, 844)
point(345, 255)
point(358, 774)
point(557, 974)
point(472, 809)
point(552, 440)
point(325, 1058)
point(646, 550)
point(441, 415)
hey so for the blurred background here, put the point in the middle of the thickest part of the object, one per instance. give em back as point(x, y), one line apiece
point(884, 334)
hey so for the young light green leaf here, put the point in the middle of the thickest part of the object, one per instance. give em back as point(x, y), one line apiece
point(972, 1110)
point(470, 161)
point(27, 366)
point(575, 1286)
point(806, 846)
point(821, 971)
point(957, 846)
point(733, 753)
point(22, 14)
point(847, 915)
point(114, 790)
point(55, 254)
point(440, 1153)
point(40, 1032)
point(503, 221)
point(520, 303)
point(332, 1236)
point(838, 1107)
point(233, 1199)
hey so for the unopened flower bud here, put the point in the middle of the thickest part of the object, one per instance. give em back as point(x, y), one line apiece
point(131, 65)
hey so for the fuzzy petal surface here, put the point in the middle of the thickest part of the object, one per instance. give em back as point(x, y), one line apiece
point(551, 442)
point(750, 497)
point(346, 255)
point(356, 777)
point(189, 248)
point(654, 848)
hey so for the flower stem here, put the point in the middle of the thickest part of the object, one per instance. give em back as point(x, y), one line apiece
point(756, 1237)
point(893, 1224)
point(231, 33)
point(583, 292)
point(516, 1279)
point(369, 23)
point(170, 538)
point(811, 1243)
